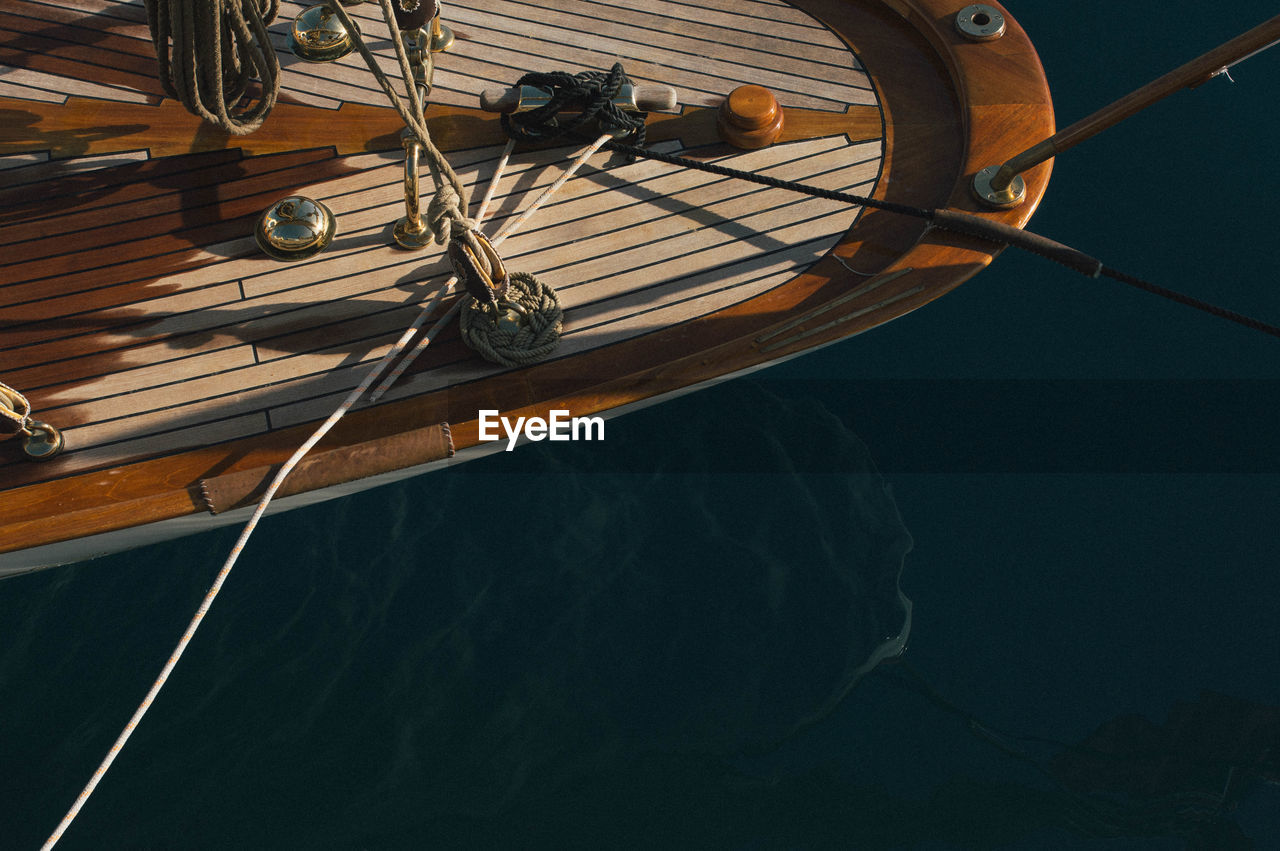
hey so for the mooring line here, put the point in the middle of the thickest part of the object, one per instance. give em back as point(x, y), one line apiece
point(594, 92)
point(510, 228)
point(373, 375)
point(181, 647)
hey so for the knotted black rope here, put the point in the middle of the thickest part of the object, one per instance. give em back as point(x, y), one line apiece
point(967, 224)
point(592, 92)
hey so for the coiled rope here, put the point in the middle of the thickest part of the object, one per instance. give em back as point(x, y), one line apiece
point(210, 51)
point(507, 230)
point(517, 342)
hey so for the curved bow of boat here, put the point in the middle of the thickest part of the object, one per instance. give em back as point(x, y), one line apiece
point(182, 364)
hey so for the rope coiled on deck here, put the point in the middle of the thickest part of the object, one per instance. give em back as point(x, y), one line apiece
point(517, 345)
point(210, 50)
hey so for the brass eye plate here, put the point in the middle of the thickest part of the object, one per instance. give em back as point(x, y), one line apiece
point(441, 36)
point(42, 441)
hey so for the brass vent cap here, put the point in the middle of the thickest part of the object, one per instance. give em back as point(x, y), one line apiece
point(319, 36)
point(295, 228)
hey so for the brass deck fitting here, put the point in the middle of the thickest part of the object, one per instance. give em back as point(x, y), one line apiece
point(479, 268)
point(980, 22)
point(1001, 191)
point(295, 228)
point(417, 48)
point(411, 231)
point(40, 441)
point(318, 35)
point(441, 35)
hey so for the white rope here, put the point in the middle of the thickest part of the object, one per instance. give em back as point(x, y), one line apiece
point(280, 476)
point(395, 374)
point(402, 57)
point(506, 231)
point(181, 647)
point(483, 209)
point(408, 359)
point(298, 455)
point(512, 226)
point(447, 182)
point(355, 395)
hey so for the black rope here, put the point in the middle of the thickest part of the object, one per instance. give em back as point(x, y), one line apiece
point(1191, 301)
point(969, 225)
point(765, 180)
point(592, 92)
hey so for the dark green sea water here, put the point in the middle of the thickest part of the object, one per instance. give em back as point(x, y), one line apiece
point(649, 645)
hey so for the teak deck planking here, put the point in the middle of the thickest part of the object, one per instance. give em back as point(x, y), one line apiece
point(139, 316)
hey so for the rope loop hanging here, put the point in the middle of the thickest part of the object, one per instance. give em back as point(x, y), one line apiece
point(209, 51)
point(594, 91)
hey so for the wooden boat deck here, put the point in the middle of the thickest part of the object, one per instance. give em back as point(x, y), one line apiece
point(139, 316)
